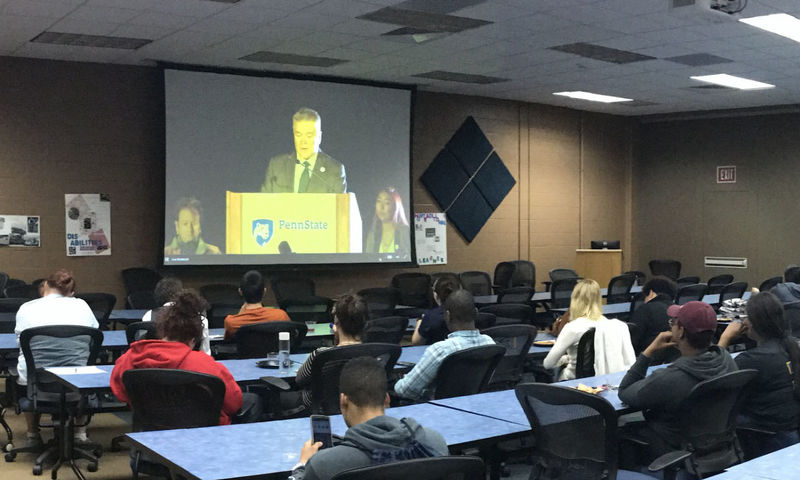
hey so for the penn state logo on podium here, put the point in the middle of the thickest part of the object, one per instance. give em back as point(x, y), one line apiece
point(262, 231)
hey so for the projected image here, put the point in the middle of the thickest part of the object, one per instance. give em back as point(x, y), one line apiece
point(263, 170)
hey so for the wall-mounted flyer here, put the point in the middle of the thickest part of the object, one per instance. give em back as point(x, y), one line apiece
point(88, 224)
point(19, 231)
point(430, 230)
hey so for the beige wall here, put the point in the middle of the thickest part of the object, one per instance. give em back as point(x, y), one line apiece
point(86, 128)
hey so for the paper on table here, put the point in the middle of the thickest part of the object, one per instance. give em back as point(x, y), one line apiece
point(75, 370)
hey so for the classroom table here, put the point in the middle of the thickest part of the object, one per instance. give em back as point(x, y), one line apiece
point(778, 465)
point(481, 300)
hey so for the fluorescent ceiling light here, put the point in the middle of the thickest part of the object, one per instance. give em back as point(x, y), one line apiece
point(733, 82)
point(781, 23)
point(593, 97)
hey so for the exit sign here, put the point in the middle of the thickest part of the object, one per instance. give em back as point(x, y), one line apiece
point(726, 174)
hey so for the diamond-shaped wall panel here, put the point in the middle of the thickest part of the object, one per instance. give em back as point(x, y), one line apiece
point(494, 180)
point(469, 212)
point(444, 178)
point(470, 146)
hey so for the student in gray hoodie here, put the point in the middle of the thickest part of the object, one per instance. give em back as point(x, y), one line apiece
point(660, 393)
point(372, 437)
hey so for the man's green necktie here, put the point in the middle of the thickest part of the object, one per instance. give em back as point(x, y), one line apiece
point(304, 178)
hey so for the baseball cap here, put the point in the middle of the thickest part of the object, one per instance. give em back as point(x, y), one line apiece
point(694, 316)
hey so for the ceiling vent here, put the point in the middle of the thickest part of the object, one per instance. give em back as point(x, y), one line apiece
point(699, 59)
point(460, 77)
point(423, 21)
point(97, 41)
point(265, 56)
point(601, 53)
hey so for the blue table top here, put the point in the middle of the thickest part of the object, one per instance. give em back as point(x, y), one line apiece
point(274, 447)
point(127, 314)
point(778, 465)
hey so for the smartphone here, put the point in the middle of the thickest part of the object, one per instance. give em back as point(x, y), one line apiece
point(321, 430)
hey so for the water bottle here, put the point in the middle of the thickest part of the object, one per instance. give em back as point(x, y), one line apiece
point(285, 363)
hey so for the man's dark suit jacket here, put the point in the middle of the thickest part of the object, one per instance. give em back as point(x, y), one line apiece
point(328, 176)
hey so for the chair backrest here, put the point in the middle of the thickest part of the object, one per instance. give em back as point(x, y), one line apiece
point(732, 290)
point(12, 304)
point(561, 291)
point(292, 288)
point(707, 420)
point(690, 293)
point(477, 282)
point(385, 330)
point(641, 277)
point(467, 372)
point(716, 283)
point(449, 275)
point(3, 281)
point(559, 273)
point(485, 320)
point(637, 301)
point(687, 280)
point(668, 268)
point(584, 366)
point(619, 288)
point(142, 300)
point(517, 339)
point(101, 304)
point(515, 295)
point(218, 311)
point(140, 331)
point(56, 346)
point(140, 279)
point(414, 288)
point(24, 290)
point(524, 274)
point(502, 275)
point(509, 313)
point(792, 314)
point(309, 310)
point(221, 293)
point(380, 301)
point(327, 367)
point(257, 340)
point(165, 399)
point(434, 468)
point(767, 284)
point(576, 432)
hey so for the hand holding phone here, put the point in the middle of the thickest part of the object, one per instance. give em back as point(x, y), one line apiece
point(321, 430)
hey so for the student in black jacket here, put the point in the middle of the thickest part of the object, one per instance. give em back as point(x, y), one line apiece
point(652, 317)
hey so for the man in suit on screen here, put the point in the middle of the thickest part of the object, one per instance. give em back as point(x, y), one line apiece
point(308, 169)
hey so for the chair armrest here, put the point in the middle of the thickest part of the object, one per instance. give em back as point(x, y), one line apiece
point(636, 440)
point(669, 460)
point(754, 430)
point(276, 383)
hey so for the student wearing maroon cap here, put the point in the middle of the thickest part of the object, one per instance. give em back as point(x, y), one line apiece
point(659, 394)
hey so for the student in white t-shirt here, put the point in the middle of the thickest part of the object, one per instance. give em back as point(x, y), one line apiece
point(166, 291)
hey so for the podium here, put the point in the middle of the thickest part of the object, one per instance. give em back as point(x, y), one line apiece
point(258, 223)
point(599, 265)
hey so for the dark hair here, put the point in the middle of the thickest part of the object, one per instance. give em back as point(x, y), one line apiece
point(363, 380)
point(190, 203)
point(443, 287)
point(62, 281)
point(252, 286)
point(792, 274)
point(398, 217)
point(766, 315)
point(661, 285)
point(183, 321)
point(699, 340)
point(461, 308)
point(350, 313)
point(167, 290)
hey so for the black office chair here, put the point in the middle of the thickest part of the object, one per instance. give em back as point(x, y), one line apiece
point(576, 433)
point(584, 364)
point(502, 276)
point(687, 280)
point(636, 336)
point(139, 279)
point(517, 339)
point(435, 277)
point(12, 304)
point(515, 295)
point(732, 290)
point(385, 330)
point(641, 277)
point(414, 288)
point(140, 331)
point(561, 273)
point(291, 288)
point(257, 340)
point(435, 468)
point(707, 422)
point(524, 274)
point(478, 283)
point(56, 346)
point(468, 371)
point(767, 284)
point(636, 302)
point(24, 290)
point(142, 301)
point(3, 281)
point(101, 304)
point(221, 293)
point(561, 292)
point(690, 293)
point(165, 399)
point(380, 301)
point(485, 320)
point(509, 313)
point(667, 268)
point(309, 310)
point(218, 311)
point(619, 289)
point(716, 283)
point(792, 314)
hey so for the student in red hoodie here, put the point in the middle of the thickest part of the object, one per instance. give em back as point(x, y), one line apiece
point(180, 328)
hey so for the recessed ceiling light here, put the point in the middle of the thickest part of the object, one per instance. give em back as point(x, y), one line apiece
point(733, 82)
point(781, 23)
point(593, 97)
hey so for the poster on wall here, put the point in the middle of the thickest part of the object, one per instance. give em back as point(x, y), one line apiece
point(19, 231)
point(431, 235)
point(88, 224)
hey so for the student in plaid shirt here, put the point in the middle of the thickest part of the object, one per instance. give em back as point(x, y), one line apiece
point(459, 314)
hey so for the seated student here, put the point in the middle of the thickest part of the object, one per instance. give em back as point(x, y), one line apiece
point(58, 306)
point(789, 290)
point(371, 437)
point(252, 289)
point(459, 315)
point(179, 329)
point(691, 327)
point(586, 312)
point(349, 317)
point(652, 317)
point(772, 400)
point(167, 290)
point(431, 328)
